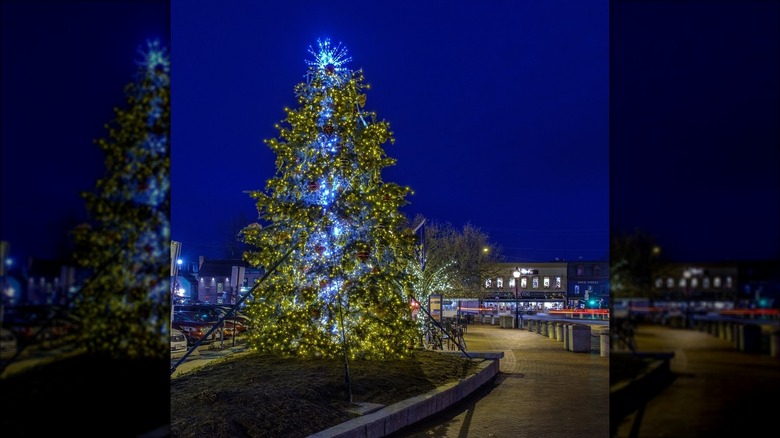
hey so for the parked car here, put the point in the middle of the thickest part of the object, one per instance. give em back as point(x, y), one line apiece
point(178, 342)
point(194, 328)
point(235, 323)
point(237, 315)
point(28, 322)
point(8, 344)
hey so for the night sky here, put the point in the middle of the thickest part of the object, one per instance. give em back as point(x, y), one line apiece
point(64, 68)
point(545, 124)
point(499, 111)
point(695, 140)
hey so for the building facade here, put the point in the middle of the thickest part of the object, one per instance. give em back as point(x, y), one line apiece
point(552, 285)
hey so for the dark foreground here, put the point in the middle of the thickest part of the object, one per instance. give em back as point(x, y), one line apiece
point(86, 396)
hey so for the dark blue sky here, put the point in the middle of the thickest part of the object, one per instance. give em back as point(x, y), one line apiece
point(64, 68)
point(694, 119)
point(499, 111)
point(519, 117)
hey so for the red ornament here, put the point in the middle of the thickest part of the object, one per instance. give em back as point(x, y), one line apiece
point(320, 249)
point(328, 129)
point(362, 256)
point(314, 186)
point(330, 68)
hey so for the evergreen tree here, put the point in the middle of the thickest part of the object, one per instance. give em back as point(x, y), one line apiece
point(342, 286)
point(124, 306)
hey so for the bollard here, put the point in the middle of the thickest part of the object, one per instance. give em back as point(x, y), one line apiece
point(774, 344)
point(751, 338)
point(604, 345)
point(580, 339)
point(544, 328)
point(565, 336)
point(570, 330)
point(559, 331)
point(538, 326)
point(551, 330)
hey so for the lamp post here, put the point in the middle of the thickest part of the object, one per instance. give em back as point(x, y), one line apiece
point(176, 280)
point(516, 274)
point(687, 275)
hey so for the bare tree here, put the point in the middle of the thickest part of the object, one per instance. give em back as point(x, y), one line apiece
point(634, 258)
point(476, 258)
point(234, 244)
point(453, 263)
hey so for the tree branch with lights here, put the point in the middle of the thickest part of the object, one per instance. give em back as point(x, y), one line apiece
point(345, 286)
point(125, 244)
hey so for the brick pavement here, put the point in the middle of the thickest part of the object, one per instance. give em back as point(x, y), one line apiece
point(541, 390)
point(716, 389)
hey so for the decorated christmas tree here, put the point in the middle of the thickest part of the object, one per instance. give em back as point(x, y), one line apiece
point(123, 307)
point(330, 236)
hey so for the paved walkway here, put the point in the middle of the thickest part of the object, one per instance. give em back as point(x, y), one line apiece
point(716, 389)
point(541, 390)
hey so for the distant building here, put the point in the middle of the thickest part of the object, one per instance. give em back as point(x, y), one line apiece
point(588, 284)
point(549, 285)
point(743, 284)
point(49, 282)
point(223, 281)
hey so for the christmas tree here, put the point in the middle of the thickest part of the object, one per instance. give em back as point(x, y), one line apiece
point(331, 237)
point(124, 307)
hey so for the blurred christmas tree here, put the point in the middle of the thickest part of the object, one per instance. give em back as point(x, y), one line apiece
point(124, 307)
point(344, 288)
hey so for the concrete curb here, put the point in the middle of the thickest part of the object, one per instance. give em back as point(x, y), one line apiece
point(407, 412)
point(627, 396)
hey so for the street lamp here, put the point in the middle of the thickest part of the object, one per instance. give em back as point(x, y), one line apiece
point(177, 286)
point(687, 275)
point(516, 274)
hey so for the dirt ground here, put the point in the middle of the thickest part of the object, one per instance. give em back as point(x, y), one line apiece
point(86, 396)
point(252, 395)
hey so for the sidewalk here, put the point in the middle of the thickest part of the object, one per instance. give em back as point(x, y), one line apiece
point(716, 390)
point(541, 390)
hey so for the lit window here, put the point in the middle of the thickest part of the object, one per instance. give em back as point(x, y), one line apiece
point(659, 282)
point(576, 289)
point(580, 270)
point(670, 282)
point(705, 283)
point(524, 282)
point(716, 282)
point(499, 282)
point(557, 282)
point(536, 283)
point(512, 282)
point(729, 283)
point(546, 282)
point(682, 282)
point(596, 271)
point(488, 282)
